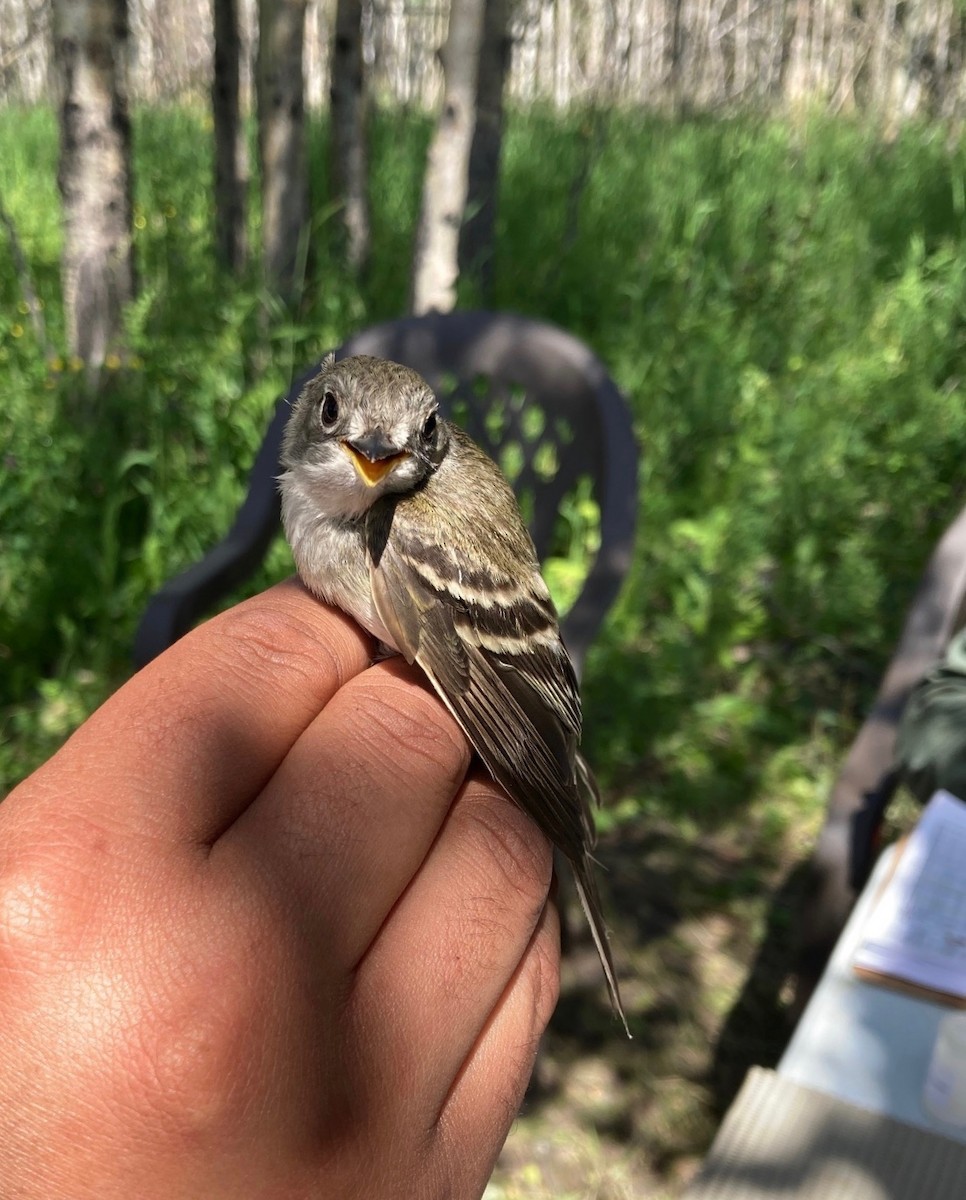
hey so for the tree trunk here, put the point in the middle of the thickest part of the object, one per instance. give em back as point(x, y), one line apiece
point(231, 157)
point(90, 48)
point(350, 166)
point(281, 142)
point(435, 268)
point(477, 235)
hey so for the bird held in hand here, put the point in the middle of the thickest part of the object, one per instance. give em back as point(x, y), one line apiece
point(397, 517)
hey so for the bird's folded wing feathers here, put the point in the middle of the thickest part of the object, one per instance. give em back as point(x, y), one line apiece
point(514, 695)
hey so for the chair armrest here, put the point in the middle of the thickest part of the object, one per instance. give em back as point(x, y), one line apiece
point(618, 508)
point(188, 596)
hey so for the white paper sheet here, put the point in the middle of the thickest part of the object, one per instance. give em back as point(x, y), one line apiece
point(917, 929)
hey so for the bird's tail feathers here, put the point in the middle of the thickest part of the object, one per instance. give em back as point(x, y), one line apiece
point(589, 794)
point(586, 781)
point(590, 902)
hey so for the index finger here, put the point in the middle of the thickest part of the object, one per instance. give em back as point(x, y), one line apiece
point(183, 747)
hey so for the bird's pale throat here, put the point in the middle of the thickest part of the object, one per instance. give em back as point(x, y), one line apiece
point(373, 470)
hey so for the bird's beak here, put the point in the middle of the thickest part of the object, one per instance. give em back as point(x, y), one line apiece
point(373, 457)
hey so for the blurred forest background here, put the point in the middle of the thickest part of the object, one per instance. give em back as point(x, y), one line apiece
point(752, 211)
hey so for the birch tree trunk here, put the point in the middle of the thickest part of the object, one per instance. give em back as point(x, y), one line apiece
point(477, 236)
point(281, 141)
point(350, 159)
point(90, 51)
point(435, 261)
point(231, 156)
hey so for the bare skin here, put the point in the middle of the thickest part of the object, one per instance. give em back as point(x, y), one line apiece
point(262, 936)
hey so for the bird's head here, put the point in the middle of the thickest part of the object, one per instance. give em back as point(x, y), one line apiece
point(361, 428)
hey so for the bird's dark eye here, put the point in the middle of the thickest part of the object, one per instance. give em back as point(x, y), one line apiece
point(430, 426)
point(330, 409)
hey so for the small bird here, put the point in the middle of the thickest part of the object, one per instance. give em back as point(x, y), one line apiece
point(398, 518)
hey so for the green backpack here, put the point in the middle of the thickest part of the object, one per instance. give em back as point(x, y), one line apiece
point(931, 742)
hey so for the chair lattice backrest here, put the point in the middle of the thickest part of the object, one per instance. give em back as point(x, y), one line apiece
point(535, 398)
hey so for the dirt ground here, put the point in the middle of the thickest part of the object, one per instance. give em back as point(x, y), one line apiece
point(704, 935)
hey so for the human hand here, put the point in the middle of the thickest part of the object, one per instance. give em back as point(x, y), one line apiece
point(250, 946)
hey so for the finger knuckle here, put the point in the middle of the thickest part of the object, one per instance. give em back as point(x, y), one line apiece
point(184, 1060)
point(47, 901)
point(406, 719)
point(542, 974)
point(197, 1039)
point(284, 642)
point(511, 853)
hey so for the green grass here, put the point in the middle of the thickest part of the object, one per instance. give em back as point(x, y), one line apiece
point(784, 306)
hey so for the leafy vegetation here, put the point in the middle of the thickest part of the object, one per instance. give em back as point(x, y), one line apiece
point(784, 306)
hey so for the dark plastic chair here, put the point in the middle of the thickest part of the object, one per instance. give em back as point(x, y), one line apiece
point(533, 396)
point(845, 851)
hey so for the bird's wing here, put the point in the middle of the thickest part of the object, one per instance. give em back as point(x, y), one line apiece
point(500, 668)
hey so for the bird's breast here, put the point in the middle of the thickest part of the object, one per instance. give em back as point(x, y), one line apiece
point(331, 560)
